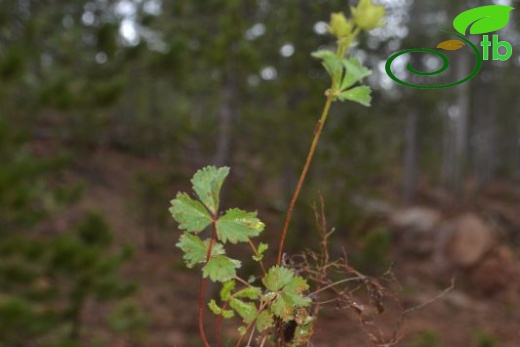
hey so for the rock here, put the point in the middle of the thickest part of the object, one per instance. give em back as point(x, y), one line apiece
point(497, 273)
point(373, 206)
point(416, 219)
point(413, 228)
point(465, 240)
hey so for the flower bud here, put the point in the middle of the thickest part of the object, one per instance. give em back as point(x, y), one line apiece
point(366, 15)
point(339, 26)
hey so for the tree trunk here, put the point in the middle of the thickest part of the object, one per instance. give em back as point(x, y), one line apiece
point(226, 115)
point(410, 155)
point(455, 142)
point(483, 139)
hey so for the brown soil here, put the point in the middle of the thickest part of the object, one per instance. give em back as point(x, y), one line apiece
point(168, 292)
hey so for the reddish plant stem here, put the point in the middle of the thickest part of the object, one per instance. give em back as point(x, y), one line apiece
point(202, 295)
point(251, 325)
point(255, 251)
point(218, 325)
point(317, 133)
point(202, 292)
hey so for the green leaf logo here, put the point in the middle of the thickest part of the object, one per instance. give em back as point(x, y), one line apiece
point(483, 19)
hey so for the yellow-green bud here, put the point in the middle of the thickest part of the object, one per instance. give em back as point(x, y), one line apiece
point(366, 15)
point(340, 26)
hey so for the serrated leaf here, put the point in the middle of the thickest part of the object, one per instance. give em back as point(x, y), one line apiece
point(227, 314)
point(190, 214)
point(451, 45)
point(282, 307)
point(220, 268)
point(238, 226)
point(249, 292)
point(296, 299)
point(297, 285)
point(483, 19)
point(225, 292)
point(277, 278)
point(293, 292)
point(242, 330)
point(269, 296)
point(262, 247)
point(214, 307)
point(290, 290)
point(195, 250)
point(302, 334)
point(220, 311)
point(332, 63)
point(358, 94)
point(207, 183)
point(264, 321)
point(286, 302)
point(354, 72)
point(246, 310)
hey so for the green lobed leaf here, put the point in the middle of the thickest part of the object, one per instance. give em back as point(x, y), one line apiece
point(332, 63)
point(246, 310)
point(225, 292)
point(297, 299)
point(289, 288)
point(358, 94)
point(277, 277)
point(190, 214)
point(195, 250)
point(282, 307)
point(228, 314)
point(286, 302)
point(269, 296)
point(249, 292)
point(297, 285)
point(262, 247)
point(483, 19)
point(220, 268)
point(292, 293)
point(214, 307)
point(355, 72)
point(207, 183)
point(220, 311)
point(238, 226)
point(264, 321)
point(242, 330)
point(302, 333)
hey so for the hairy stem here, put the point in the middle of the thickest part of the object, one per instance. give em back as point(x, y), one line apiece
point(202, 292)
point(218, 325)
point(251, 326)
point(255, 251)
point(317, 133)
point(202, 296)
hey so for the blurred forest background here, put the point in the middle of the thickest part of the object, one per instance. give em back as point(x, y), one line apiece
point(107, 108)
